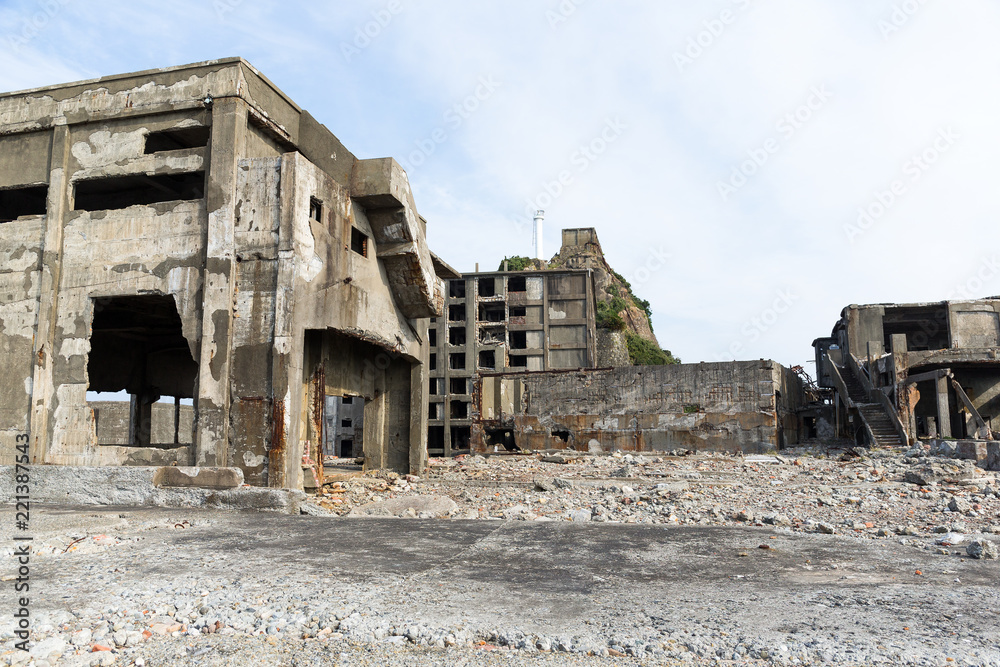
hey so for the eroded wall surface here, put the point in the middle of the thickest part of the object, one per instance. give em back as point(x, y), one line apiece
point(266, 229)
point(737, 406)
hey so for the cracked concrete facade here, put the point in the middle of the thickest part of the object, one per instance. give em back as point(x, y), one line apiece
point(900, 373)
point(529, 320)
point(191, 232)
point(740, 406)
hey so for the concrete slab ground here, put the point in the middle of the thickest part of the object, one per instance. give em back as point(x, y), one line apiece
point(663, 593)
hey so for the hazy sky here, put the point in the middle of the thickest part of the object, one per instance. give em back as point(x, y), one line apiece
point(752, 166)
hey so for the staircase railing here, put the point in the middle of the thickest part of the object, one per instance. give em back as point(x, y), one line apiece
point(855, 367)
point(877, 396)
point(893, 415)
point(838, 382)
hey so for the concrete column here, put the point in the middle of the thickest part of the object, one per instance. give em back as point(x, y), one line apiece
point(288, 344)
point(229, 130)
point(419, 395)
point(545, 323)
point(140, 420)
point(943, 408)
point(376, 424)
point(591, 322)
point(57, 206)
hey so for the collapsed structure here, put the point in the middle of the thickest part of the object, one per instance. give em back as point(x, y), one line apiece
point(192, 233)
point(903, 372)
point(740, 406)
point(529, 320)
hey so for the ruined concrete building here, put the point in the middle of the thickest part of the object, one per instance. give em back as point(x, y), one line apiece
point(741, 406)
point(528, 320)
point(192, 233)
point(903, 372)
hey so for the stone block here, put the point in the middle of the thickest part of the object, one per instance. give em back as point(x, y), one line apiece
point(971, 450)
point(204, 478)
point(992, 456)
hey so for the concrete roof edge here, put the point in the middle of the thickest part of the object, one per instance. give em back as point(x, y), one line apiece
point(266, 80)
point(127, 75)
point(443, 268)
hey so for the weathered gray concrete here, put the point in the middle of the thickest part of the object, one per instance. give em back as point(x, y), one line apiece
point(907, 360)
point(729, 406)
point(493, 321)
point(260, 232)
point(135, 486)
point(704, 588)
point(205, 478)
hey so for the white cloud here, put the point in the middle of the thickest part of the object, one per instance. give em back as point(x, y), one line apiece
point(687, 128)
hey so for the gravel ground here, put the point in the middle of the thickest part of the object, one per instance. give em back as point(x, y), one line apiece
point(799, 559)
point(806, 490)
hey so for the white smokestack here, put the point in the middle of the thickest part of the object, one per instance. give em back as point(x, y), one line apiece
point(539, 218)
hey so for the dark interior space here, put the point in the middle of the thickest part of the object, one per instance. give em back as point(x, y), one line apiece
point(516, 284)
point(925, 327)
point(16, 202)
point(460, 437)
point(177, 139)
point(105, 194)
point(136, 345)
point(456, 335)
point(487, 287)
point(359, 242)
point(492, 312)
point(435, 439)
point(501, 437)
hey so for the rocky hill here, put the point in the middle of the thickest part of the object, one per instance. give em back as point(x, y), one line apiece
point(623, 319)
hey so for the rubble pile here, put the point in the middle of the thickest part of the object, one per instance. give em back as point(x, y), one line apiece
point(932, 499)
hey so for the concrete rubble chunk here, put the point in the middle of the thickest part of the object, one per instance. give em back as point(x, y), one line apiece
point(983, 548)
point(398, 507)
point(201, 477)
point(940, 471)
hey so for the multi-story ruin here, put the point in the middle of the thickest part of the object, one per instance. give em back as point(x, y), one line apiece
point(192, 233)
point(519, 320)
point(903, 372)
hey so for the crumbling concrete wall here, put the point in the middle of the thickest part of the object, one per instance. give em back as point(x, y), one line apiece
point(271, 229)
point(112, 418)
point(736, 406)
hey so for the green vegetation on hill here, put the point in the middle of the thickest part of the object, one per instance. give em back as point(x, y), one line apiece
point(610, 316)
point(642, 352)
point(516, 263)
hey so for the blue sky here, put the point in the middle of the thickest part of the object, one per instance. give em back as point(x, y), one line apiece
point(752, 166)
